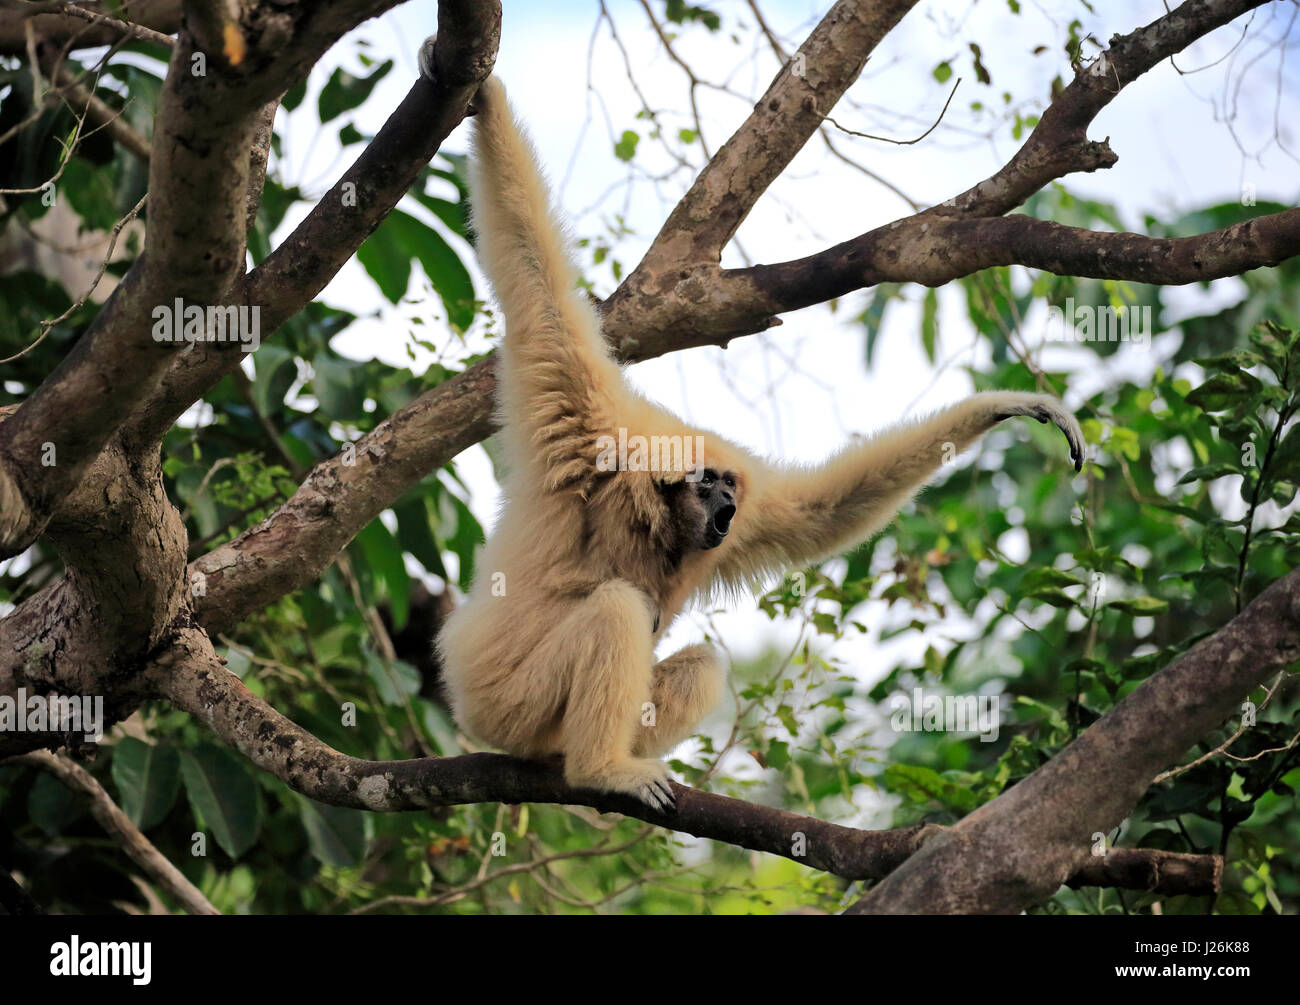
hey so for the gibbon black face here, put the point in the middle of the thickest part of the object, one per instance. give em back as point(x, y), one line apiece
point(717, 494)
point(702, 510)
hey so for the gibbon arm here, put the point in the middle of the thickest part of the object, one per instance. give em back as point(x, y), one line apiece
point(800, 516)
point(558, 381)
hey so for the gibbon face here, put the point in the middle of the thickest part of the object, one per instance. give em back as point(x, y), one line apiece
point(703, 508)
point(717, 493)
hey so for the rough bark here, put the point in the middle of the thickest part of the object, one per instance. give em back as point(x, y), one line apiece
point(1017, 850)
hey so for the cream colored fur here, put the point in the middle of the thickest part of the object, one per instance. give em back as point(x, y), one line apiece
point(553, 650)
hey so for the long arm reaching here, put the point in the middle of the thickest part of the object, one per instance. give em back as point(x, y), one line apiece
point(557, 374)
point(800, 516)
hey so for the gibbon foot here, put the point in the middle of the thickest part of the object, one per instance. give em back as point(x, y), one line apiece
point(426, 59)
point(1045, 408)
point(645, 780)
point(428, 70)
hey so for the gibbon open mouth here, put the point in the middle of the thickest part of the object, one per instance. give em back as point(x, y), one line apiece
point(718, 526)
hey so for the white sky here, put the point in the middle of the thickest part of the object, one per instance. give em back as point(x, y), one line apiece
point(799, 391)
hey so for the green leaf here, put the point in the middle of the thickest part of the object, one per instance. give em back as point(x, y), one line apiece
point(1141, 606)
point(396, 681)
point(1208, 473)
point(415, 532)
point(1053, 596)
point(942, 72)
point(89, 191)
point(1223, 391)
point(148, 780)
point(930, 323)
point(452, 214)
point(1047, 575)
point(293, 98)
point(335, 834)
point(919, 784)
point(51, 805)
point(384, 556)
point(224, 795)
point(343, 92)
point(387, 255)
point(1231, 363)
point(625, 148)
point(386, 259)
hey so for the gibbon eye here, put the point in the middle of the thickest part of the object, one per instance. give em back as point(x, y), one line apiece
point(709, 477)
point(729, 482)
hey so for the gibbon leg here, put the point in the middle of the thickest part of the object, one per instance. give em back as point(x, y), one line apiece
point(608, 663)
point(684, 688)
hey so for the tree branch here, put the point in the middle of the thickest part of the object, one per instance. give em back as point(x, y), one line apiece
point(150, 20)
point(1059, 144)
point(191, 677)
point(791, 111)
point(198, 189)
point(1015, 851)
point(469, 32)
point(933, 251)
point(119, 827)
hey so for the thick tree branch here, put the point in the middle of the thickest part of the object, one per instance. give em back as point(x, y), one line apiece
point(198, 188)
point(191, 677)
point(933, 251)
point(119, 827)
point(122, 544)
point(1015, 851)
point(791, 111)
point(468, 34)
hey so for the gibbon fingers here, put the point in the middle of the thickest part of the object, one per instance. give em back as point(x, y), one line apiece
point(553, 650)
